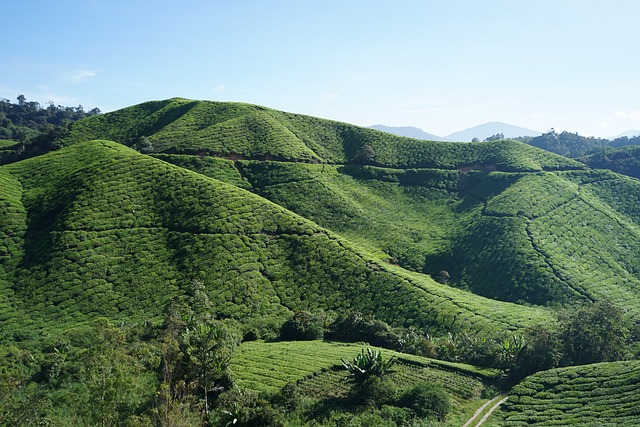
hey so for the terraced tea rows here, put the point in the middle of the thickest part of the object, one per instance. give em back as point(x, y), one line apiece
point(271, 365)
point(605, 394)
point(110, 232)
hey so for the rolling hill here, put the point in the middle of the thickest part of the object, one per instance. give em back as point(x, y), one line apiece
point(272, 212)
point(97, 229)
point(500, 218)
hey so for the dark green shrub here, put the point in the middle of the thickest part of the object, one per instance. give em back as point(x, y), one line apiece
point(593, 334)
point(302, 326)
point(289, 398)
point(357, 327)
point(245, 408)
point(374, 392)
point(427, 400)
point(542, 351)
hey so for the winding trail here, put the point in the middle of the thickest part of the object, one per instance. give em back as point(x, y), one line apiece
point(489, 412)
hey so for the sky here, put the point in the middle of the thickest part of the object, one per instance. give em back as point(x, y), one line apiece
point(442, 66)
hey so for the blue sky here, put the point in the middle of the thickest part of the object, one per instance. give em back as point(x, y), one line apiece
point(442, 66)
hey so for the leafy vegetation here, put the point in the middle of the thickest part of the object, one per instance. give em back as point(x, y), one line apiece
point(235, 220)
point(624, 160)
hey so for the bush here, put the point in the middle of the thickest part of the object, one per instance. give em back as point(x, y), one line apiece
point(302, 326)
point(374, 392)
point(245, 408)
point(593, 334)
point(357, 327)
point(427, 400)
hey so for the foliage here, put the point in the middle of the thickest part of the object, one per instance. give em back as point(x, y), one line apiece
point(354, 326)
point(542, 350)
point(427, 400)
point(367, 364)
point(34, 129)
point(567, 143)
point(594, 333)
point(245, 408)
point(302, 326)
point(624, 160)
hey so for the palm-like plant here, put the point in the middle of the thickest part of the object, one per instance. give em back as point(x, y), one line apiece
point(367, 364)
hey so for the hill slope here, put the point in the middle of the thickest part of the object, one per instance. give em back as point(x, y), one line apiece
point(501, 218)
point(605, 394)
point(97, 229)
point(624, 160)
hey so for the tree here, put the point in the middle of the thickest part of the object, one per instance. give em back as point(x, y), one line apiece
point(496, 137)
point(208, 348)
point(594, 333)
point(302, 326)
point(542, 350)
point(110, 378)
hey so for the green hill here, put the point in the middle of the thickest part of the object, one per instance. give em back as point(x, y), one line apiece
point(248, 131)
point(97, 229)
point(605, 394)
point(271, 213)
point(498, 217)
point(624, 160)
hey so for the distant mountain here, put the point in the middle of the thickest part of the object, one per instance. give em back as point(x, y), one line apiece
point(489, 129)
point(628, 134)
point(409, 132)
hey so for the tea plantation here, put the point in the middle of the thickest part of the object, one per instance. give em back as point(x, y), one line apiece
point(606, 394)
point(166, 224)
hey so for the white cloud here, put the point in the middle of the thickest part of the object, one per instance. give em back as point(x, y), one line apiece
point(628, 114)
point(330, 95)
point(219, 88)
point(80, 76)
point(537, 116)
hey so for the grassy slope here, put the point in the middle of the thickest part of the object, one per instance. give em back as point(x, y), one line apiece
point(604, 394)
point(184, 126)
point(112, 232)
point(500, 217)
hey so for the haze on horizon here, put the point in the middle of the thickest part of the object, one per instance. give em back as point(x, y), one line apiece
point(439, 66)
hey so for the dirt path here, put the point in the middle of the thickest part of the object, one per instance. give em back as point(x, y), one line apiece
point(500, 400)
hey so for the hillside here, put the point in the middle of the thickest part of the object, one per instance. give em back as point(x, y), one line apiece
point(499, 217)
point(97, 229)
point(243, 131)
point(624, 160)
point(233, 217)
point(605, 394)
